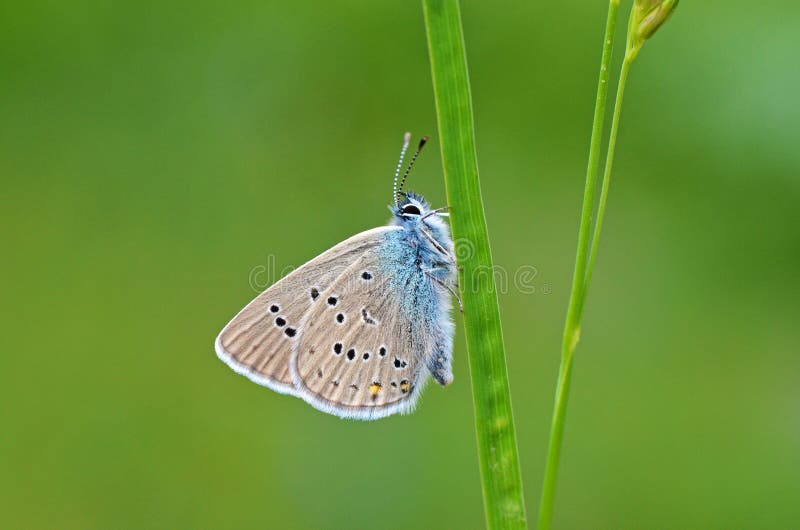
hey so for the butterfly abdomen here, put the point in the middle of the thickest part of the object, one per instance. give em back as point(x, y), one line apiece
point(418, 272)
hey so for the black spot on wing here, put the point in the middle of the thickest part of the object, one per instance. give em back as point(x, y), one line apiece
point(366, 316)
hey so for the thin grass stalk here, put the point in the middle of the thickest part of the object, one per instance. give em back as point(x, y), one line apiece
point(646, 17)
point(571, 333)
point(601, 208)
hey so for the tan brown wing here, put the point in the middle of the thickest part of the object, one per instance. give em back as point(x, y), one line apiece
point(257, 343)
point(355, 356)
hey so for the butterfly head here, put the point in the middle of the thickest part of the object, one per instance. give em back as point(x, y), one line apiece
point(413, 212)
point(409, 209)
point(410, 206)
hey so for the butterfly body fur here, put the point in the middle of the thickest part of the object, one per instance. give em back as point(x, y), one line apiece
point(362, 326)
point(427, 300)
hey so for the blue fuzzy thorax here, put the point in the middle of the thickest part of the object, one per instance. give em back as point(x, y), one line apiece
point(412, 235)
point(411, 259)
point(413, 224)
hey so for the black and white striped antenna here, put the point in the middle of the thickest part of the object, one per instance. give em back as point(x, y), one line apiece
point(399, 190)
point(395, 191)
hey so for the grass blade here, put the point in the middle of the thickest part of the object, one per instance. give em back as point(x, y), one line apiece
point(497, 445)
point(572, 325)
point(645, 18)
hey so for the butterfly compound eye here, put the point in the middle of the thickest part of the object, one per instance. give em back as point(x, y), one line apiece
point(410, 209)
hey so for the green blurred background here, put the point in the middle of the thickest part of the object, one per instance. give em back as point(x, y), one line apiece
point(153, 154)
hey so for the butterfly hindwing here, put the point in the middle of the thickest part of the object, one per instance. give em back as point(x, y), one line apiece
point(258, 341)
point(360, 354)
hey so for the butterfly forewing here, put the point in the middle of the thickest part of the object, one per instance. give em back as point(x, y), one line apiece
point(258, 341)
point(355, 356)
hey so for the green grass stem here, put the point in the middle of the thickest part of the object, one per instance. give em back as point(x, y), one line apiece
point(646, 17)
point(601, 208)
point(572, 324)
point(494, 422)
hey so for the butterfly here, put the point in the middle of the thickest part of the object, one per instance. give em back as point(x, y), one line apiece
point(357, 331)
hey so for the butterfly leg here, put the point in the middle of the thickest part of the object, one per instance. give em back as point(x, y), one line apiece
point(437, 211)
point(439, 248)
point(452, 291)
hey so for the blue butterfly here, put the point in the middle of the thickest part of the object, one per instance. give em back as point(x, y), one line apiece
point(357, 331)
